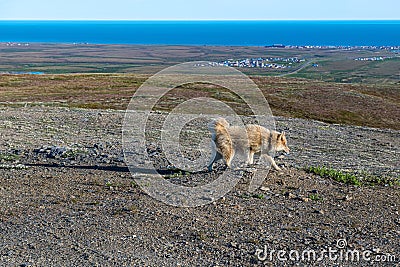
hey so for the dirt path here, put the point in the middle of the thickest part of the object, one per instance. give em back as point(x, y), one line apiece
point(305, 65)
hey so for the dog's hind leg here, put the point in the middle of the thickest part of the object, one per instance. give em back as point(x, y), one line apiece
point(228, 159)
point(215, 156)
point(213, 159)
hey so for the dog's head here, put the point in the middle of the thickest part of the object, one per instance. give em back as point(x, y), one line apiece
point(281, 143)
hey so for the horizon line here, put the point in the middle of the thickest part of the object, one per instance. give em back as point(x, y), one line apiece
point(288, 19)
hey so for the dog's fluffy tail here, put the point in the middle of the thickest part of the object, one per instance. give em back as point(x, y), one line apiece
point(217, 126)
point(221, 137)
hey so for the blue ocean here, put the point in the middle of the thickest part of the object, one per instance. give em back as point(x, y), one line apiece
point(235, 33)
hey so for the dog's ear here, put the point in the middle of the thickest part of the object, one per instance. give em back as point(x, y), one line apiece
point(281, 135)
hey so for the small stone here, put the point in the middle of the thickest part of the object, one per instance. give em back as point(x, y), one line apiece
point(233, 244)
point(305, 199)
point(98, 145)
point(289, 195)
point(264, 188)
point(319, 212)
point(347, 198)
point(281, 182)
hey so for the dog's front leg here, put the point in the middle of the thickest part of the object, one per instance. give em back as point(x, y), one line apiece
point(272, 161)
point(250, 157)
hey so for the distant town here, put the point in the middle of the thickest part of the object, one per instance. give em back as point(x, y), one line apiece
point(269, 62)
point(284, 63)
point(372, 58)
point(397, 47)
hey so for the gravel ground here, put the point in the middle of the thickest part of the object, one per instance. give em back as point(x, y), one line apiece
point(68, 199)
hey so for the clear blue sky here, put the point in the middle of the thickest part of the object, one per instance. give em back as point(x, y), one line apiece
point(199, 9)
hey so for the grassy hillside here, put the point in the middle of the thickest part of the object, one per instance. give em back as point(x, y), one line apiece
point(358, 104)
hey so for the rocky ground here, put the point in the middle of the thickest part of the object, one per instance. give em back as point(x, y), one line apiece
point(68, 198)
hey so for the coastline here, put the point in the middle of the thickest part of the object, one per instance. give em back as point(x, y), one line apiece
point(206, 32)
